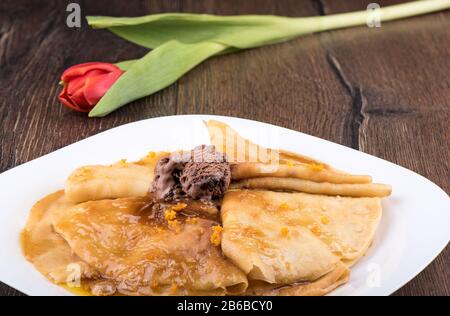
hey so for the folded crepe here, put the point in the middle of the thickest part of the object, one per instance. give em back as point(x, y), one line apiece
point(284, 238)
point(319, 287)
point(138, 252)
point(47, 250)
point(122, 179)
point(326, 188)
point(308, 171)
point(241, 150)
point(257, 167)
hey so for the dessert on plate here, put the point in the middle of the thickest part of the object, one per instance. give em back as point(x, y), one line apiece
point(229, 218)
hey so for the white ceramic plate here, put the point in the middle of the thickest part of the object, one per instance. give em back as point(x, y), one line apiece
point(416, 219)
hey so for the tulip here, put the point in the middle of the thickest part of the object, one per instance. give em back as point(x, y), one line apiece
point(85, 84)
point(181, 41)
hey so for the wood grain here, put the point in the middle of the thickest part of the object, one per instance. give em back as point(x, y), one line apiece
point(384, 91)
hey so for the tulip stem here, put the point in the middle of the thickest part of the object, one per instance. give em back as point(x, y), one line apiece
point(389, 13)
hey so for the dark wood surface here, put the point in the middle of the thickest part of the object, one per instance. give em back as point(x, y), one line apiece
point(383, 91)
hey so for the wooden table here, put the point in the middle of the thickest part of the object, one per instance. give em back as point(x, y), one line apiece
point(384, 91)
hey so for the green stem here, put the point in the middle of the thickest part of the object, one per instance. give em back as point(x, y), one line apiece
point(389, 13)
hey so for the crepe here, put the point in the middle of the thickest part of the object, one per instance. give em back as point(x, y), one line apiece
point(129, 242)
point(48, 251)
point(240, 150)
point(284, 238)
point(267, 248)
point(311, 172)
point(122, 179)
point(301, 185)
point(286, 171)
point(321, 286)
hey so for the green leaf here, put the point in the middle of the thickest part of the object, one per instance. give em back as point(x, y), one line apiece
point(153, 72)
point(153, 30)
point(244, 31)
point(126, 64)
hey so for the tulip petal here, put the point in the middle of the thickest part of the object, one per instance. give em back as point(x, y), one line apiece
point(79, 99)
point(78, 82)
point(63, 97)
point(96, 86)
point(75, 91)
point(83, 69)
point(74, 85)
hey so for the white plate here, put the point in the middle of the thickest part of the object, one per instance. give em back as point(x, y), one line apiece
point(416, 219)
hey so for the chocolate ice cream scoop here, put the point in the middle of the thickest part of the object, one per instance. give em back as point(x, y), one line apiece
point(207, 176)
point(166, 183)
point(202, 173)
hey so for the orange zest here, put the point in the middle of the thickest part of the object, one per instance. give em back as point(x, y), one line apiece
point(216, 236)
point(316, 166)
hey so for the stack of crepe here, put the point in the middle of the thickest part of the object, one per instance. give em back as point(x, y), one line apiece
point(291, 226)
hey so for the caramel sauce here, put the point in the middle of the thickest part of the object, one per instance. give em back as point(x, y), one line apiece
point(78, 291)
point(126, 247)
point(48, 251)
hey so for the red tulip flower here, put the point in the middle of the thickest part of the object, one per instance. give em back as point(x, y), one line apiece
point(85, 84)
